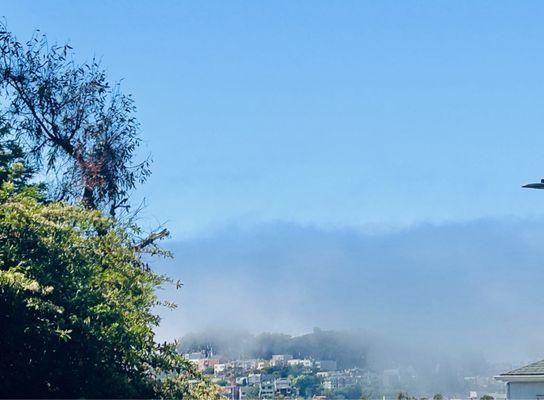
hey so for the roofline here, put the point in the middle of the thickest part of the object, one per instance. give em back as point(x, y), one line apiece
point(520, 378)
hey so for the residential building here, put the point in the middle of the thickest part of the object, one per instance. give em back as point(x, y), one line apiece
point(280, 359)
point(525, 383)
point(242, 381)
point(266, 390)
point(195, 356)
point(302, 362)
point(218, 368)
point(282, 387)
point(247, 365)
point(204, 363)
point(338, 380)
point(230, 392)
point(254, 379)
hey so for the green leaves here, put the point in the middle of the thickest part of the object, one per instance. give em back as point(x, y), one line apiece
point(77, 299)
point(64, 334)
point(75, 295)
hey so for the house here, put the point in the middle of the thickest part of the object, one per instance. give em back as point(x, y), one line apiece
point(266, 390)
point(197, 355)
point(254, 379)
point(280, 359)
point(241, 381)
point(247, 365)
point(282, 387)
point(218, 368)
point(230, 392)
point(302, 362)
point(525, 383)
point(203, 364)
point(338, 380)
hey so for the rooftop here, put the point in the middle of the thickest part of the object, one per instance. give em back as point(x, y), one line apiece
point(536, 368)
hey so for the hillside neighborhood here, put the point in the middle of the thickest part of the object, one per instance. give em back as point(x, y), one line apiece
point(285, 377)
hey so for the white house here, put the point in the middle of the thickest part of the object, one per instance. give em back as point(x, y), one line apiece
point(525, 383)
point(280, 359)
point(298, 361)
point(218, 368)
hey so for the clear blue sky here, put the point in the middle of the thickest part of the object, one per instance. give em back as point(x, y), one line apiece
point(318, 112)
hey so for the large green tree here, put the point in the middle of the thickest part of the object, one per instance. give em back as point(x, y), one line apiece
point(307, 385)
point(76, 303)
point(76, 291)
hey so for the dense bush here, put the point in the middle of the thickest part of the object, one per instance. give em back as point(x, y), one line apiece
point(75, 305)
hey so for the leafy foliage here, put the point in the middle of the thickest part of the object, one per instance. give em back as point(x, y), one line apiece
point(307, 385)
point(252, 392)
point(76, 296)
point(76, 307)
point(349, 392)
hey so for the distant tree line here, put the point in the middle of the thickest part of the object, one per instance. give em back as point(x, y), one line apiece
point(346, 349)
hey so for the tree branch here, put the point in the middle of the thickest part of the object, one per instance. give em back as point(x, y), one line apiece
point(151, 239)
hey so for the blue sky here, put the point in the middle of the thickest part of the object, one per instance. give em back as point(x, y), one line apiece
point(324, 113)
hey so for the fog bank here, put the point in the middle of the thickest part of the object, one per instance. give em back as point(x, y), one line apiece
point(450, 288)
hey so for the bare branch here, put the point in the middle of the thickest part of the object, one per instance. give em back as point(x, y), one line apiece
point(151, 239)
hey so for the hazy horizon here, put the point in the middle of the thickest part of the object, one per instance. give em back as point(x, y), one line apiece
point(451, 288)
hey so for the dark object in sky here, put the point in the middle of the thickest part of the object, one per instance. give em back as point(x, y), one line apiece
point(535, 185)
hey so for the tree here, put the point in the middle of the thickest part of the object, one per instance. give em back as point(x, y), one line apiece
point(76, 307)
point(487, 397)
point(12, 166)
point(76, 294)
point(348, 392)
point(307, 385)
point(72, 120)
point(252, 392)
point(403, 396)
point(438, 396)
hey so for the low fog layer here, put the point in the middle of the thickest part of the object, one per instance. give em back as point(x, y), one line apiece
point(457, 288)
point(417, 371)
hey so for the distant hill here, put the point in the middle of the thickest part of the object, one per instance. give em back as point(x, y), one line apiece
point(346, 349)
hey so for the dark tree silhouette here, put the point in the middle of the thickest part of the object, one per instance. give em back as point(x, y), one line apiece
point(72, 121)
